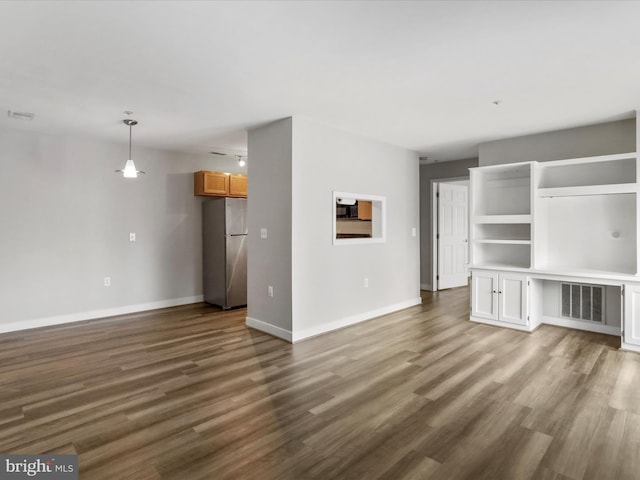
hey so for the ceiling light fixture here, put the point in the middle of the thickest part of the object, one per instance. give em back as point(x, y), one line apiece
point(129, 170)
point(241, 160)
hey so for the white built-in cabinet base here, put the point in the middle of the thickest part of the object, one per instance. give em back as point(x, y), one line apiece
point(517, 300)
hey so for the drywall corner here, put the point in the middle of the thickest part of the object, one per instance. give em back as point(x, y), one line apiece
point(269, 208)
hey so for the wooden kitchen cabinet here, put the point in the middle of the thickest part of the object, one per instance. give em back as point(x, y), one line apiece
point(238, 185)
point(219, 184)
point(364, 210)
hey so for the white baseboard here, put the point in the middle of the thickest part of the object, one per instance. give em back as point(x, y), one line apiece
point(268, 328)
point(496, 323)
point(583, 325)
point(93, 314)
point(353, 319)
point(426, 286)
point(630, 347)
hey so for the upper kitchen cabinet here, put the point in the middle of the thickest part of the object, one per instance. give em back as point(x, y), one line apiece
point(237, 185)
point(219, 184)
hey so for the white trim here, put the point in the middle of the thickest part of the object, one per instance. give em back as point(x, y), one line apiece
point(497, 323)
point(425, 286)
point(593, 159)
point(353, 319)
point(378, 229)
point(435, 186)
point(96, 314)
point(268, 328)
point(630, 347)
point(582, 325)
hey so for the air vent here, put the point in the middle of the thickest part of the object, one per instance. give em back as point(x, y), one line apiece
point(21, 115)
point(583, 302)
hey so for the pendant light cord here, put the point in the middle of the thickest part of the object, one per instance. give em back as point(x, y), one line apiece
point(130, 141)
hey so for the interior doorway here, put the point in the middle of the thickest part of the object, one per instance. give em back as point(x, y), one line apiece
point(450, 233)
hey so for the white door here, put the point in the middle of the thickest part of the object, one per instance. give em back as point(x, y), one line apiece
point(512, 295)
point(453, 244)
point(484, 295)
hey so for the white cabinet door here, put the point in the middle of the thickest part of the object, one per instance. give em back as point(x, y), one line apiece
point(484, 294)
point(632, 314)
point(501, 297)
point(513, 298)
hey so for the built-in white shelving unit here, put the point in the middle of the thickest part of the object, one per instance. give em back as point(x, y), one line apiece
point(501, 201)
point(567, 224)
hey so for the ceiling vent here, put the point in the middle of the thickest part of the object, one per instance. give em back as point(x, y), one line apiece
point(21, 115)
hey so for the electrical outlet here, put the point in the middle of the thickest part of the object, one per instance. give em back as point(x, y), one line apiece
point(366, 283)
point(107, 281)
point(263, 233)
point(132, 236)
point(270, 290)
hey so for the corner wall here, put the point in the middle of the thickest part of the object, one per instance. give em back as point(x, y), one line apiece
point(295, 166)
point(66, 218)
point(270, 204)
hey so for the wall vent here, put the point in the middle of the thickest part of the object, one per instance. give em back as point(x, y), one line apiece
point(582, 302)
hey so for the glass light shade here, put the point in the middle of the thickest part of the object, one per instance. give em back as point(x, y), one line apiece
point(130, 170)
point(242, 162)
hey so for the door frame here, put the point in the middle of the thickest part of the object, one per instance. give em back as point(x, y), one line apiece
point(434, 225)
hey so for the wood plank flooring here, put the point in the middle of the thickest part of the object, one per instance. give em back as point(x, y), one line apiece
point(191, 393)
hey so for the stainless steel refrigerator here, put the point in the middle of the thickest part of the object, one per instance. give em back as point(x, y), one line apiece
point(224, 235)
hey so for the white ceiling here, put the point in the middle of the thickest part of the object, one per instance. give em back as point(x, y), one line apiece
point(422, 75)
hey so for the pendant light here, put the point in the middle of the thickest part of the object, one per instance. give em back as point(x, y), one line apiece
point(241, 161)
point(130, 167)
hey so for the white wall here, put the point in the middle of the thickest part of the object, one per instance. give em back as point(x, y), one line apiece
point(66, 218)
point(601, 139)
point(328, 280)
point(295, 165)
point(269, 205)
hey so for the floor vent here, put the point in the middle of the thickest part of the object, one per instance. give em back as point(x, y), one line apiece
point(583, 302)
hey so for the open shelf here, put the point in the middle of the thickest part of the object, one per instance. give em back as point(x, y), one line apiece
point(501, 190)
point(507, 232)
point(502, 254)
point(610, 170)
point(588, 233)
point(498, 241)
point(610, 189)
point(502, 219)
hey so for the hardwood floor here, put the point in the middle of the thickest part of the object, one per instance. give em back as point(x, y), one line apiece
point(191, 393)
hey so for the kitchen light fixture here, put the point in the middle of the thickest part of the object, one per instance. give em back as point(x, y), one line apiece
point(129, 167)
point(241, 161)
